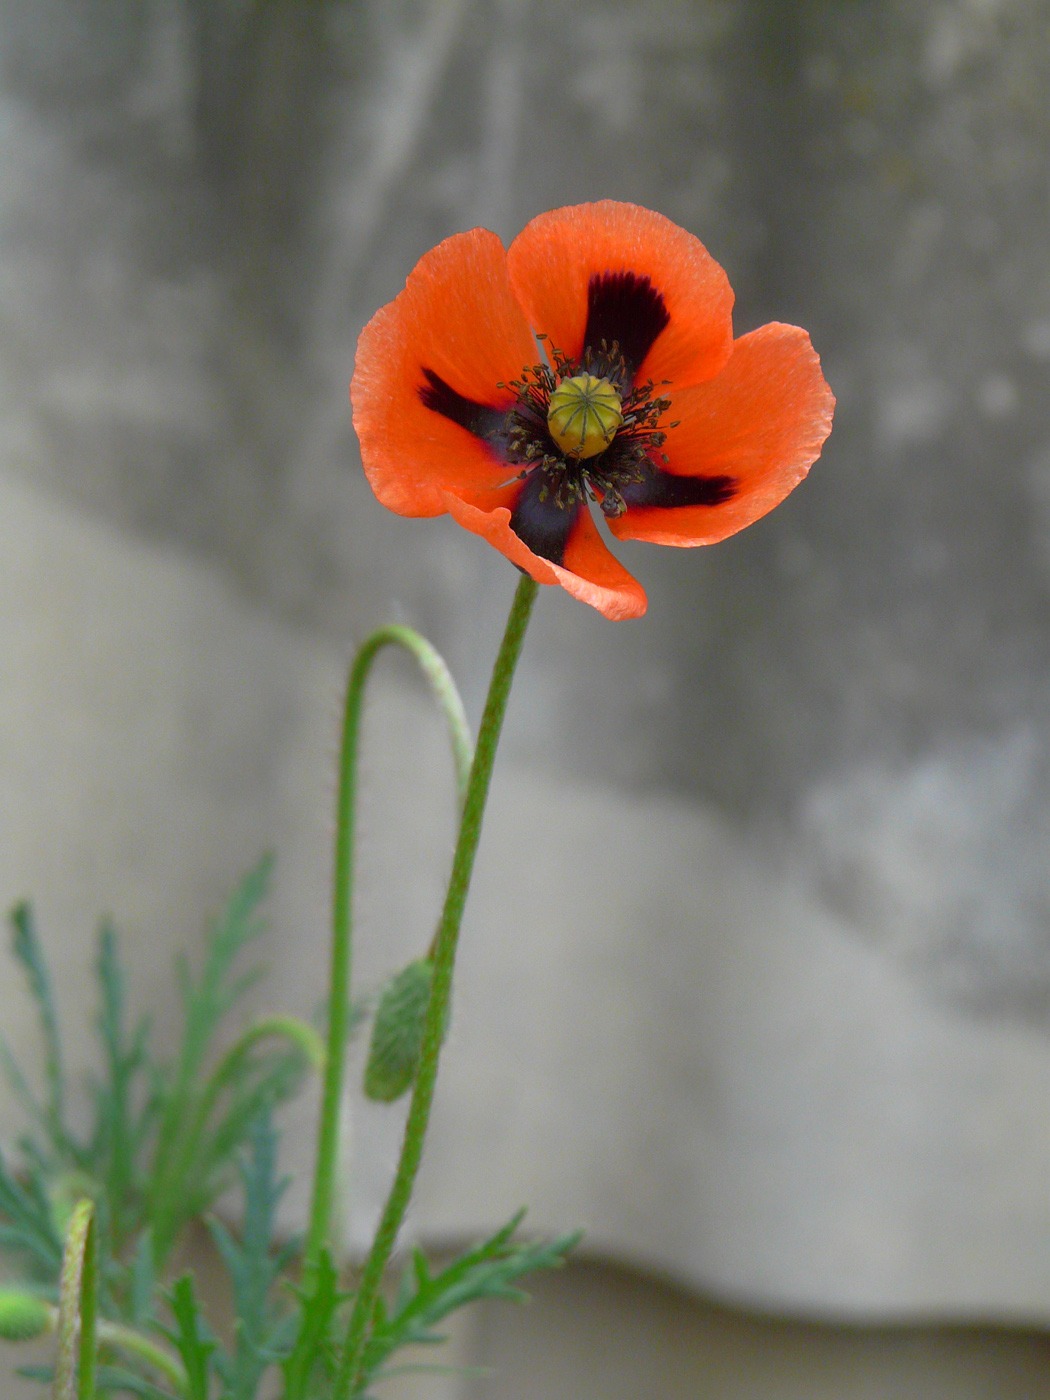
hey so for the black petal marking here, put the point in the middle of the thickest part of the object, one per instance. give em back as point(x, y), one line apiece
point(664, 489)
point(478, 418)
point(626, 308)
point(541, 524)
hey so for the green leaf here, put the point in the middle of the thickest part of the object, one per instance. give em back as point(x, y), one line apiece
point(490, 1270)
point(26, 948)
point(319, 1300)
point(193, 1162)
point(44, 1374)
point(114, 1380)
point(20, 1087)
point(31, 1227)
point(121, 1127)
point(191, 1337)
point(142, 1281)
point(263, 1336)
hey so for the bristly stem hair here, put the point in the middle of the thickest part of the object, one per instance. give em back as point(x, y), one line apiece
point(348, 1374)
point(448, 698)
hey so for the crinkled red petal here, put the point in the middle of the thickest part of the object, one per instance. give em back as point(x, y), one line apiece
point(554, 258)
point(457, 317)
point(762, 422)
point(589, 571)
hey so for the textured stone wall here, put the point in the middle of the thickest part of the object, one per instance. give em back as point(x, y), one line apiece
point(202, 201)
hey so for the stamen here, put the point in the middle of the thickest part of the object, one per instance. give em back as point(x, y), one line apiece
point(580, 430)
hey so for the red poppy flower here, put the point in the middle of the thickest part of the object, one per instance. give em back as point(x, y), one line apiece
point(640, 400)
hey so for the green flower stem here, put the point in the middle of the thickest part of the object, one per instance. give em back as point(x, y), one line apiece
point(115, 1335)
point(304, 1037)
point(77, 1308)
point(86, 1371)
point(444, 689)
point(289, 1028)
point(348, 1375)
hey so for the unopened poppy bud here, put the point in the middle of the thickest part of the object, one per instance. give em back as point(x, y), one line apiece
point(23, 1316)
point(584, 416)
point(397, 1032)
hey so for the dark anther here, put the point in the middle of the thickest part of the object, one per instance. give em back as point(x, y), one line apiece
point(613, 504)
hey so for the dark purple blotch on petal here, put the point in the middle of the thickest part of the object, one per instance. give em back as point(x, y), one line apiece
point(626, 309)
point(666, 490)
point(539, 522)
point(481, 419)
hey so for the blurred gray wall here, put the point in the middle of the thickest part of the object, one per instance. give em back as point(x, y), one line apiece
point(203, 202)
point(200, 205)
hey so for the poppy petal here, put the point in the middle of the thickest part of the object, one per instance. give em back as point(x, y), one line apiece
point(620, 272)
point(745, 439)
point(540, 522)
point(426, 375)
point(593, 573)
point(588, 570)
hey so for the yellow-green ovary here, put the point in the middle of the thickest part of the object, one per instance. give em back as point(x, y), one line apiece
point(584, 415)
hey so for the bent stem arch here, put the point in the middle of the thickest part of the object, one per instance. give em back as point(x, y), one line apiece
point(448, 698)
point(443, 954)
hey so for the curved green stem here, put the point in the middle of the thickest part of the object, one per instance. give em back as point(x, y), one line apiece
point(77, 1308)
point(226, 1072)
point(116, 1335)
point(444, 689)
point(349, 1372)
point(178, 1163)
point(289, 1028)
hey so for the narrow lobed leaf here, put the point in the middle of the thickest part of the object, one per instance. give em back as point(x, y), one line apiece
point(26, 948)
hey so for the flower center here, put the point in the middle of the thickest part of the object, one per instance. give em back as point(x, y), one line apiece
point(584, 415)
point(580, 429)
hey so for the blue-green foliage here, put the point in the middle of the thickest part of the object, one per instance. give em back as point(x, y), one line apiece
point(254, 1263)
point(26, 948)
point(166, 1138)
point(193, 1338)
point(28, 1227)
point(489, 1270)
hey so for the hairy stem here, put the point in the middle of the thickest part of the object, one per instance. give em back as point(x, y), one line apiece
point(443, 955)
point(77, 1308)
point(447, 696)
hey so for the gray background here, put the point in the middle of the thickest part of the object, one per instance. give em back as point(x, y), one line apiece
point(201, 203)
point(204, 202)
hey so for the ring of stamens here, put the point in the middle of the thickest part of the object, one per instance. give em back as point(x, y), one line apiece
point(630, 451)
